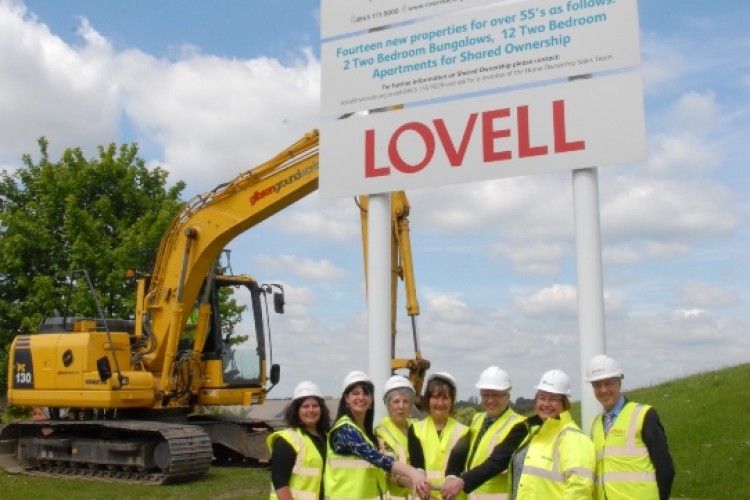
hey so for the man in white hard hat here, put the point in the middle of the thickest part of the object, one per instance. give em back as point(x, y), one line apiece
point(633, 459)
point(489, 429)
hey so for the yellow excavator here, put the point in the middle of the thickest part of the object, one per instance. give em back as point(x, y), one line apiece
point(122, 394)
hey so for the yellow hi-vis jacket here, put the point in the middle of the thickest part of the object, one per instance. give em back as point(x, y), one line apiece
point(623, 466)
point(495, 488)
point(559, 462)
point(348, 477)
point(437, 449)
point(394, 442)
point(307, 472)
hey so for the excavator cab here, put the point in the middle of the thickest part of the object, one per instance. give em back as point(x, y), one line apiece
point(233, 348)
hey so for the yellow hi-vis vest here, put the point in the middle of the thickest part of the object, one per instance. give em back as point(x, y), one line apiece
point(559, 462)
point(495, 488)
point(623, 466)
point(348, 477)
point(389, 434)
point(437, 449)
point(308, 468)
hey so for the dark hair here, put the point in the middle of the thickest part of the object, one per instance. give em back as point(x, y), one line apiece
point(344, 409)
point(438, 385)
point(291, 415)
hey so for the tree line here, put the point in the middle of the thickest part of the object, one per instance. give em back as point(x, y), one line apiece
point(104, 214)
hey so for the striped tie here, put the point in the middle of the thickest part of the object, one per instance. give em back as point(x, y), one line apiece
point(609, 419)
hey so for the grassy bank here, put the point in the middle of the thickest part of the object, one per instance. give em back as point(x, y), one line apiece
point(705, 416)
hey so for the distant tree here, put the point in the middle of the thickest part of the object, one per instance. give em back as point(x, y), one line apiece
point(524, 406)
point(465, 414)
point(100, 214)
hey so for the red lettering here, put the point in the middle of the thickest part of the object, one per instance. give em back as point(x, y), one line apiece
point(455, 157)
point(370, 169)
point(525, 149)
point(558, 125)
point(489, 134)
point(429, 141)
point(456, 149)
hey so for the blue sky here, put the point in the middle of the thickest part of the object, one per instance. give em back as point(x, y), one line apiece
point(209, 89)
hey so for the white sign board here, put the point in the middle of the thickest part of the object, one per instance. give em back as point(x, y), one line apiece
point(347, 16)
point(583, 123)
point(478, 50)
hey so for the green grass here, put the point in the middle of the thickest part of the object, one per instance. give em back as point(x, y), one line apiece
point(706, 416)
point(707, 420)
point(221, 483)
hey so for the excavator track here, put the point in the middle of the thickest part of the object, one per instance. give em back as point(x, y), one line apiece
point(127, 451)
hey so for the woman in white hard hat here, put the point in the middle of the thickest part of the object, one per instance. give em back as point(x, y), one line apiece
point(556, 459)
point(355, 468)
point(298, 453)
point(444, 439)
point(395, 433)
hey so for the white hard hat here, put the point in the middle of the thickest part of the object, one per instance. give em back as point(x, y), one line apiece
point(494, 379)
point(306, 389)
point(353, 378)
point(602, 367)
point(397, 382)
point(556, 382)
point(445, 377)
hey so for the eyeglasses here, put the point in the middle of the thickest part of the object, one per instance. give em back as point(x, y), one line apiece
point(549, 399)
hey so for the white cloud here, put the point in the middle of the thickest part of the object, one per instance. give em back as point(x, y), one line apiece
point(685, 153)
point(51, 89)
point(534, 258)
point(300, 267)
point(666, 211)
point(447, 307)
point(555, 300)
point(699, 110)
point(331, 220)
point(702, 294)
point(215, 118)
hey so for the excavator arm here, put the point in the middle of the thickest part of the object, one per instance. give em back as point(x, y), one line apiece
point(197, 236)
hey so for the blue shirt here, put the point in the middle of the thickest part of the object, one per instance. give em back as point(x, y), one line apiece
point(615, 411)
point(347, 440)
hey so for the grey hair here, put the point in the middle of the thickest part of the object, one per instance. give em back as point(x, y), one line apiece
point(401, 391)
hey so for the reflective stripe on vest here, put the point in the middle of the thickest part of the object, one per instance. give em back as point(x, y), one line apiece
point(437, 448)
point(487, 496)
point(554, 473)
point(495, 488)
point(304, 483)
point(348, 477)
point(554, 457)
point(624, 466)
point(388, 433)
